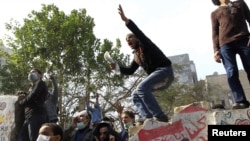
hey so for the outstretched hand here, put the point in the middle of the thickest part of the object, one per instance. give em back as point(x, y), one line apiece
point(119, 108)
point(120, 11)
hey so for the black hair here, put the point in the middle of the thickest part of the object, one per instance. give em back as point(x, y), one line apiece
point(38, 71)
point(110, 119)
point(110, 131)
point(57, 129)
point(96, 131)
point(216, 2)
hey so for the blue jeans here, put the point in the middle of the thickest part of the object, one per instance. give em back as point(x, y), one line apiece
point(228, 54)
point(30, 128)
point(143, 97)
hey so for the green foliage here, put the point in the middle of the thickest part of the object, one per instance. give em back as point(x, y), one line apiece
point(51, 40)
point(66, 45)
point(179, 94)
point(10, 80)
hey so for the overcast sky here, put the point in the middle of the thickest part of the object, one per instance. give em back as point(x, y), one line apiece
point(176, 26)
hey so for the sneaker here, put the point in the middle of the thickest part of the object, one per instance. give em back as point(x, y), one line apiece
point(163, 118)
point(240, 105)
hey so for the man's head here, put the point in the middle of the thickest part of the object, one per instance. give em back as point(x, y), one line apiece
point(51, 132)
point(132, 41)
point(83, 119)
point(103, 131)
point(128, 118)
point(34, 75)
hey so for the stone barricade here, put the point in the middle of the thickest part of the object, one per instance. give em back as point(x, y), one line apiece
point(189, 123)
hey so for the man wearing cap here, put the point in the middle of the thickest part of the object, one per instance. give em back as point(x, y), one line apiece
point(79, 129)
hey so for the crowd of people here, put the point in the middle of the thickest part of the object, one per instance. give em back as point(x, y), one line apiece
point(230, 37)
point(41, 116)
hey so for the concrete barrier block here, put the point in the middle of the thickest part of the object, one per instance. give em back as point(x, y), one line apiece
point(190, 123)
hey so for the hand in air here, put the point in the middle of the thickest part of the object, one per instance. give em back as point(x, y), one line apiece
point(120, 11)
point(119, 108)
point(112, 66)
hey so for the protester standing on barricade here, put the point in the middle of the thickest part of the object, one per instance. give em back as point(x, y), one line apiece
point(230, 37)
point(158, 67)
point(33, 102)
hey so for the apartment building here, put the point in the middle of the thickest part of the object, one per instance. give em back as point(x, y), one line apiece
point(219, 91)
point(187, 74)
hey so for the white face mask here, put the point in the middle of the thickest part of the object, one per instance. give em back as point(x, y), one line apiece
point(43, 138)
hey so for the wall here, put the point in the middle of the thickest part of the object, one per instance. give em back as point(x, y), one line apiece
point(190, 124)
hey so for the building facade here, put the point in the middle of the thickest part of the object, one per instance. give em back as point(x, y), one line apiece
point(187, 72)
point(219, 91)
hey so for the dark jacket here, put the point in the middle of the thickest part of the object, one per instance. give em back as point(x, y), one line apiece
point(34, 101)
point(70, 133)
point(153, 57)
point(124, 134)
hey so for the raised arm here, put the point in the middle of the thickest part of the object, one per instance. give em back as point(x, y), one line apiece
point(119, 108)
point(135, 29)
point(123, 17)
point(55, 88)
